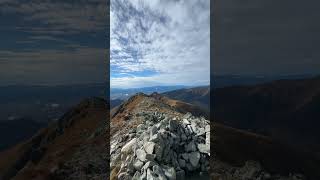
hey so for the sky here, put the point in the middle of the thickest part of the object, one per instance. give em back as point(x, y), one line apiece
point(266, 37)
point(159, 42)
point(50, 42)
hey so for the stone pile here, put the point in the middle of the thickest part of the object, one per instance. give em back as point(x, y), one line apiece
point(163, 148)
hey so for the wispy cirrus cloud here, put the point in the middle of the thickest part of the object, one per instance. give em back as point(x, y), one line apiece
point(159, 42)
point(53, 41)
point(57, 16)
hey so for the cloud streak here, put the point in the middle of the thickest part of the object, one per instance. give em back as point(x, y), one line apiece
point(58, 17)
point(53, 41)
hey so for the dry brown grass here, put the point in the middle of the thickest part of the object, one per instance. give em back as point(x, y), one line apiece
point(114, 173)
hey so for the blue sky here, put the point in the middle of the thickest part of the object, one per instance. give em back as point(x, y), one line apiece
point(53, 41)
point(159, 43)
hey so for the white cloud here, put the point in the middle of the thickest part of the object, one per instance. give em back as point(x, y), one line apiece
point(58, 17)
point(171, 38)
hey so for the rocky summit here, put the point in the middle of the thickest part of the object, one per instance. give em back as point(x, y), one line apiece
point(162, 147)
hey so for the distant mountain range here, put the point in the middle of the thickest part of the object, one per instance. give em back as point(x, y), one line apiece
point(199, 96)
point(43, 103)
point(220, 81)
point(123, 94)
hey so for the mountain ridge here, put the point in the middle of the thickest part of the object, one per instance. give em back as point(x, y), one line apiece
point(47, 154)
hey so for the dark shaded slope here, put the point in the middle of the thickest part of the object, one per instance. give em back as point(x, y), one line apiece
point(198, 96)
point(14, 131)
point(236, 146)
point(115, 102)
point(66, 149)
point(286, 109)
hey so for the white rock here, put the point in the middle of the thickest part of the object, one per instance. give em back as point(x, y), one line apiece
point(190, 131)
point(154, 138)
point(141, 155)
point(208, 138)
point(170, 173)
point(148, 165)
point(201, 131)
point(204, 148)
point(207, 128)
point(185, 121)
point(128, 147)
point(150, 175)
point(149, 147)
point(138, 165)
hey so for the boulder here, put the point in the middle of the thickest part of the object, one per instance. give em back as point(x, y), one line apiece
point(185, 156)
point(180, 175)
point(141, 155)
point(148, 165)
point(150, 157)
point(182, 163)
point(159, 172)
point(170, 173)
point(150, 175)
point(194, 158)
point(138, 165)
point(149, 147)
point(191, 147)
point(154, 138)
point(124, 176)
point(153, 130)
point(183, 137)
point(185, 121)
point(204, 148)
point(207, 128)
point(159, 148)
point(137, 176)
point(128, 147)
point(173, 125)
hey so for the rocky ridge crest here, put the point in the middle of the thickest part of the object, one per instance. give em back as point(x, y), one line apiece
point(162, 147)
